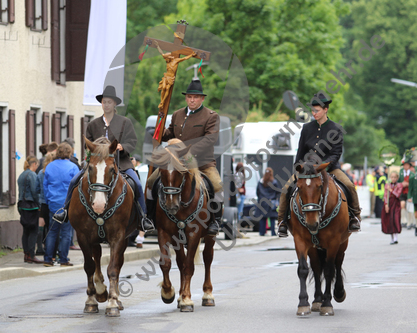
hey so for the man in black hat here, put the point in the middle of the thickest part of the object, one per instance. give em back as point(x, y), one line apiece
point(321, 140)
point(198, 126)
point(112, 126)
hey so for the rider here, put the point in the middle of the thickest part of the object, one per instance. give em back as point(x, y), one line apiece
point(198, 126)
point(112, 126)
point(321, 140)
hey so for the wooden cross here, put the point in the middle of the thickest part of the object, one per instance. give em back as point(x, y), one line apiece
point(177, 49)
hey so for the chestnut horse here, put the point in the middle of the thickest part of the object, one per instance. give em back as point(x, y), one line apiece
point(319, 223)
point(100, 209)
point(181, 220)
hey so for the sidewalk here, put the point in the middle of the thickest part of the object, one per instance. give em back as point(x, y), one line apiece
point(12, 265)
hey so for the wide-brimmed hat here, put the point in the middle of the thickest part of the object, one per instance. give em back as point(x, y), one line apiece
point(322, 98)
point(109, 91)
point(195, 88)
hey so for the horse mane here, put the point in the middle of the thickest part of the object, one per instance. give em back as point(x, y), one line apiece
point(101, 150)
point(170, 158)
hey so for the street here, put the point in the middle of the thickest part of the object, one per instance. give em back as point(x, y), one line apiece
point(255, 288)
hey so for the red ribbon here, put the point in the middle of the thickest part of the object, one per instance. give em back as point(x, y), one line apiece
point(157, 130)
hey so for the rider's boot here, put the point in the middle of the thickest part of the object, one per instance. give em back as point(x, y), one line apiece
point(282, 217)
point(355, 223)
point(146, 223)
point(282, 229)
point(215, 224)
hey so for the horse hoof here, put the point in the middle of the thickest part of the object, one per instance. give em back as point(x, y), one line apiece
point(120, 305)
point(315, 307)
point(187, 308)
point(340, 299)
point(303, 310)
point(168, 300)
point(101, 298)
point(326, 311)
point(91, 308)
point(112, 312)
point(208, 302)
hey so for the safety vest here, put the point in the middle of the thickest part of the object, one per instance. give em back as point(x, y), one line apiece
point(370, 181)
point(380, 187)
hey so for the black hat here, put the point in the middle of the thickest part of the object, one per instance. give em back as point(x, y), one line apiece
point(195, 88)
point(109, 91)
point(322, 98)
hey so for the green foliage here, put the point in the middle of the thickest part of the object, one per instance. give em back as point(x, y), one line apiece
point(389, 106)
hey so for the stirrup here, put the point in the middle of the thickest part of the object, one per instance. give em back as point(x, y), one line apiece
point(354, 224)
point(214, 228)
point(282, 229)
point(147, 221)
point(62, 215)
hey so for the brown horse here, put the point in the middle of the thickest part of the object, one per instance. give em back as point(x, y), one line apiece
point(319, 223)
point(182, 219)
point(100, 210)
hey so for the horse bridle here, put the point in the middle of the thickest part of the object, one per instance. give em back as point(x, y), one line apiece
point(102, 187)
point(313, 207)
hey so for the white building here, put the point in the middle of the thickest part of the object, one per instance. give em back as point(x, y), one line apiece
point(42, 47)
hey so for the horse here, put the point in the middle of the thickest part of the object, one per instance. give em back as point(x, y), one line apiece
point(319, 224)
point(182, 219)
point(102, 209)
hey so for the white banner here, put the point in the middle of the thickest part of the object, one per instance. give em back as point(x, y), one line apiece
point(106, 39)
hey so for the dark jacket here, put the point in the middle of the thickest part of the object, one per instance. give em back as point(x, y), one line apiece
point(322, 144)
point(200, 130)
point(271, 195)
point(27, 186)
point(97, 128)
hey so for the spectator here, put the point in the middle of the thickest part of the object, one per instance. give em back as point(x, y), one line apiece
point(58, 175)
point(73, 159)
point(52, 147)
point(43, 150)
point(370, 182)
point(268, 200)
point(29, 209)
point(404, 176)
point(380, 181)
point(240, 185)
point(391, 214)
point(347, 169)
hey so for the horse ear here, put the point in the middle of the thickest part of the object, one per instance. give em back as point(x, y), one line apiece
point(322, 167)
point(299, 168)
point(113, 146)
point(90, 146)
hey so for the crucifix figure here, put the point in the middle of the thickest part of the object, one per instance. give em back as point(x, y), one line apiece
point(169, 77)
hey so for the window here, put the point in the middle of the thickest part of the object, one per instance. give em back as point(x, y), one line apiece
point(84, 122)
point(37, 15)
point(6, 11)
point(7, 157)
point(69, 39)
point(281, 141)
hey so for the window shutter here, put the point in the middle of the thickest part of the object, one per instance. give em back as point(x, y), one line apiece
point(30, 133)
point(77, 17)
point(84, 123)
point(70, 126)
point(45, 14)
point(45, 127)
point(56, 128)
point(55, 41)
point(12, 157)
point(10, 5)
point(30, 13)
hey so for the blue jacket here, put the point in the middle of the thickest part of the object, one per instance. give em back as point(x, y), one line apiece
point(39, 186)
point(27, 186)
point(58, 175)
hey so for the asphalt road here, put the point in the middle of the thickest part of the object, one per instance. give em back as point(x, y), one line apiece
point(255, 288)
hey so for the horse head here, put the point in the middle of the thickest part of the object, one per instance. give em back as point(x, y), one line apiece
point(173, 167)
point(310, 183)
point(102, 172)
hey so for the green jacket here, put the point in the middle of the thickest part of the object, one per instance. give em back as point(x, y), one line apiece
point(401, 179)
point(380, 186)
point(412, 188)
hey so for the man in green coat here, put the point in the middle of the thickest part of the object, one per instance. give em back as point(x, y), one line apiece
point(405, 175)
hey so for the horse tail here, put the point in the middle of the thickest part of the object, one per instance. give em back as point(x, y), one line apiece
point(197, 256)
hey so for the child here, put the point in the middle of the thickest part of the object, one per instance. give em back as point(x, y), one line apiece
point(391, 214)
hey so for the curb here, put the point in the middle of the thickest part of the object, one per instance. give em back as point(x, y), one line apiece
point(21, 272)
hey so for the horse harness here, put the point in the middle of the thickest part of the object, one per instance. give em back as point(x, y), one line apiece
point(170, 190)
point(313, 207)
point(101, 219)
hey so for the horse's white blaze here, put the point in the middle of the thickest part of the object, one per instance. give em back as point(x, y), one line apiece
point(308, 181)
point(99, 202)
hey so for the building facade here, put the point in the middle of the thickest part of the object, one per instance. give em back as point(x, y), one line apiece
point(42, 47)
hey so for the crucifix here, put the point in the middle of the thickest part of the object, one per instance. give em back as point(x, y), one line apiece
point(173, 58)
